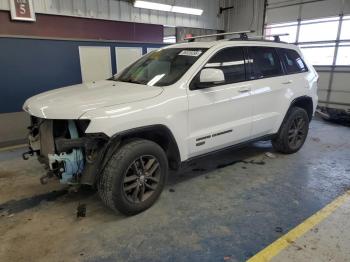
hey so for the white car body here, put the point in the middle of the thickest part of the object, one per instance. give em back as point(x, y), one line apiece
point(244, 110)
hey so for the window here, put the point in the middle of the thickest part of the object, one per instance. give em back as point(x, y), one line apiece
point(162, 67)
point(231, 62)
point(281, 29)
point(343, 57)
point(317, 38)
point(345, 30)
point(317, 30)
point(169, 39)
point(292, 61)
point(319, 54)
point(265, 62)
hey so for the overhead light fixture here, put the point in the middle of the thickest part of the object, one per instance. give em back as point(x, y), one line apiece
point(152, 6)
point(186, 10)
point(167, 8)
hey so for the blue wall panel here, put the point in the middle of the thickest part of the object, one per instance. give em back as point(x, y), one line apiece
point(32, 66)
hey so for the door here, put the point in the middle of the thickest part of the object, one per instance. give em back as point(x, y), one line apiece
point(220, 114)
point(268, 88)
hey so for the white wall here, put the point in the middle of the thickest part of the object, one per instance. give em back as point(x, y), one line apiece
point(126, 56)
point(95, 63)
point(122, 10)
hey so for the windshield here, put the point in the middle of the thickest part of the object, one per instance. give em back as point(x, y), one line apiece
point(162, 67)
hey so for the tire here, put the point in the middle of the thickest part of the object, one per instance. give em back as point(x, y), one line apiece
point(134, 177)
point(293, 131)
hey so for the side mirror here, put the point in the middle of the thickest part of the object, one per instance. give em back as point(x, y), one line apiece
point(210, 76)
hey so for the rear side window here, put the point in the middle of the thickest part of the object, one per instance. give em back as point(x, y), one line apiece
point(231, 62)
point(264, 62)
point(292, 61)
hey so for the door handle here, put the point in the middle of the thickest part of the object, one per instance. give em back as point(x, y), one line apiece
point(244, 90)
point(287, 82)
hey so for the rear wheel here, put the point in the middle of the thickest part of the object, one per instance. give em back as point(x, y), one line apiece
point(134, 177)
point(293, 131)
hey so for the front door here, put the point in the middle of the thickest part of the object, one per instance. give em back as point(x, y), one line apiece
point(220, 114)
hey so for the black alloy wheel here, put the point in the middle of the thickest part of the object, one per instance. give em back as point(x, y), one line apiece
point(297, 132)
point(141, 178)
point(293, 131)
point(134, 176)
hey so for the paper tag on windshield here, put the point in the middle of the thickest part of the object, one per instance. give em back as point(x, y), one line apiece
point(190, 52)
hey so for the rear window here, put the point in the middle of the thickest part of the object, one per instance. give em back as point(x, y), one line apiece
point(292, 61)
point(264, 62)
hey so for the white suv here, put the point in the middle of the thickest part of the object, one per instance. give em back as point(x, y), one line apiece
point(172, 105)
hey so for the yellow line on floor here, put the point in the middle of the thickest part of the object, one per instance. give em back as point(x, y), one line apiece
point(12, 147)
point(273, 249)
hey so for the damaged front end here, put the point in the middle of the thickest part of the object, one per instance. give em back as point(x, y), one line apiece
point(67, 152)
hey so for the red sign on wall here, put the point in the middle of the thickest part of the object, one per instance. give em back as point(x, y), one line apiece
point(22, 10)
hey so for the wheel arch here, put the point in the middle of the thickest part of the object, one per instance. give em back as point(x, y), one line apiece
point(160, 134)
point(304, 102)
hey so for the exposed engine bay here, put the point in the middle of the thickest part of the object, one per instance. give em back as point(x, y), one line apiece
point(66, 151)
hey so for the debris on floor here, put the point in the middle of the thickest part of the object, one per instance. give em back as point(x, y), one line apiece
point(315, 139)
point(81, 210)
point(255, 162)
point(198, 169)
point(270, 155)
point(278, 229)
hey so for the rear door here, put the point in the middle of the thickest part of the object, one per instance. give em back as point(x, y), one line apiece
point(296, 70)
point(220, 115)
point(268, 88)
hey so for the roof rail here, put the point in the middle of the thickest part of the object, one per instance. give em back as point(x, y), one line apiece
point(242, 34)
point(276, 37)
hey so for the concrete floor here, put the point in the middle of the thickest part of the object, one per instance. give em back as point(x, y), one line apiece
point(327, 241)
point(222, 208)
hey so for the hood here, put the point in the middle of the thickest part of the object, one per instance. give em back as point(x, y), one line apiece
point(72, 101)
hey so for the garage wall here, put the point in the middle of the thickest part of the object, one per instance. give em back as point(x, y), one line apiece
point(245, 15)
point(31, 66)
point(288, 11)
point(122, 10)
point(321, 29)
point(80, 28)
point(43, 55)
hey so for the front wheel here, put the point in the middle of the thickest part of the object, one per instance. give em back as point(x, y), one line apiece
point(134, 177)
point(293, 131)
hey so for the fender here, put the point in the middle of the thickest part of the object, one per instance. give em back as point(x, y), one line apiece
point(159, 134)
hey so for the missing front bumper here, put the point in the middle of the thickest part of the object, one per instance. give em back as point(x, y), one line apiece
point(66, 151)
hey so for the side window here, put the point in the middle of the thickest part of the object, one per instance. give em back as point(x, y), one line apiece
point(264, 62)
point(292, 61)
point(231, 62)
